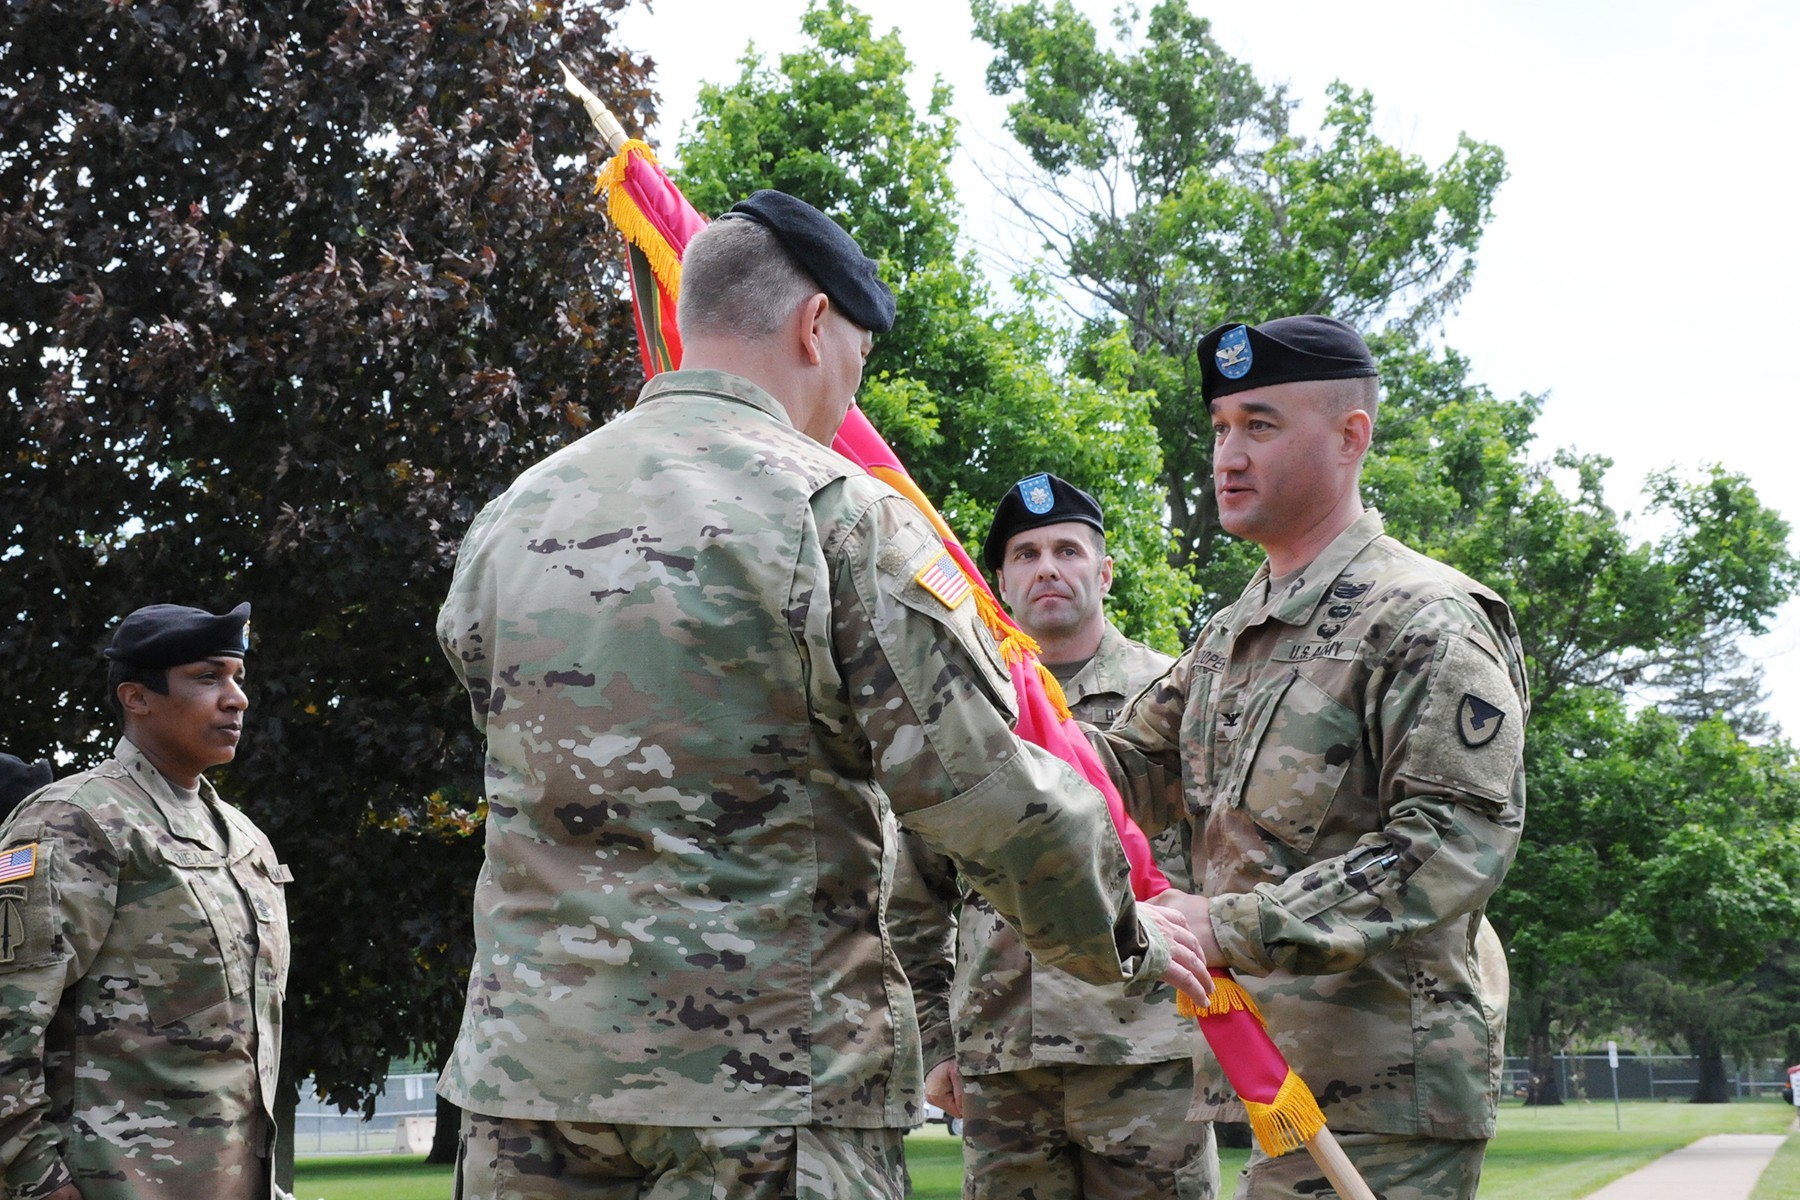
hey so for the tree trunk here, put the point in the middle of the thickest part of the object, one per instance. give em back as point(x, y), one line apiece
point(1542, 1085)
point(445, 1137)
point(1711, 1087)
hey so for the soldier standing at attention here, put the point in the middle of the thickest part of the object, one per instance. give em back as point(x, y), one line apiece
point(144, 945)
point(1068, 1089)
point(1347, 739)
point(713, 661)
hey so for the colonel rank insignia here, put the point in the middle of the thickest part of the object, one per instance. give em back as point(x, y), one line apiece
point(943, 580)
point(1234, 356)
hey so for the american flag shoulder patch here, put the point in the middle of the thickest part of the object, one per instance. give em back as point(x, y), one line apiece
point(944, 580)
point(18, 863)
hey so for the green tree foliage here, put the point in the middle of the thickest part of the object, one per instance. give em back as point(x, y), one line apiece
point(1167, 185)
point(291, 289)
point(970, 397)
point(1664, 871)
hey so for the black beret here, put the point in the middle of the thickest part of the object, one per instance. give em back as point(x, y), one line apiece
point(824, 251)
point(18, 779)
point(1038, 500)
point(167, 635)
point(1237, 358)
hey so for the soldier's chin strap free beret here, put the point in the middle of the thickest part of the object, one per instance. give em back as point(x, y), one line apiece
point(18, 779)
point(158, 636)
point(823, 250)
point(1239, 358)
point(1035, 501)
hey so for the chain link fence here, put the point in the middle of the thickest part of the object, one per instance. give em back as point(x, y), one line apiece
point(1648, 1077)
point(405, 1116)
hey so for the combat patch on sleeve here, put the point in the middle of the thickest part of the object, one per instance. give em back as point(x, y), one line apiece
point(945, 580)
point(26, 920)
point(1470, 732)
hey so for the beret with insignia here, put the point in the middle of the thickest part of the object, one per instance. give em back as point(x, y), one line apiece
point(166, 635)
point(823, 250)
point(18, 779)
point(1238, 358)
point(1037, 500)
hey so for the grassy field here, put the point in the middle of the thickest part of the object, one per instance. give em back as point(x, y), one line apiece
point(1541, 1154)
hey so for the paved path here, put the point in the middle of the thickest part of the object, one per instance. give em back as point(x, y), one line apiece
point(1724, 1166)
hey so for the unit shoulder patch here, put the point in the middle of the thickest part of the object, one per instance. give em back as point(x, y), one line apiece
point(1477, 721)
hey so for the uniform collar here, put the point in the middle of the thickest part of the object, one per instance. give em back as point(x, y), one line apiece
point(721, 384)
point(1103, 671)
point(1301, 598)
point(190, 822)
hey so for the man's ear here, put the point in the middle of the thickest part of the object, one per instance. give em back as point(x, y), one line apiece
point(1106, 574)
point(809, 326)
point(1359, 432)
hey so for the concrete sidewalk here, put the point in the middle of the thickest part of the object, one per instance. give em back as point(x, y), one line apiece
point(1724, 1166)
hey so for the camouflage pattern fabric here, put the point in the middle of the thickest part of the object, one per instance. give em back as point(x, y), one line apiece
point(1350, 750)
point(1394, 1167)
point(1010, 1013)
point(710, 659)
point(1079, 1132)
point(1041, 1132)
point(142, 967)
point(503, 1158)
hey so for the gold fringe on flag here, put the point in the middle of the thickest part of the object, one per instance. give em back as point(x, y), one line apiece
point(1228, 995)
point(630, 220)
point(1289, 1123)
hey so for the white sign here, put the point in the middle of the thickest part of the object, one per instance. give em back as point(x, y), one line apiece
point(1612, 1055)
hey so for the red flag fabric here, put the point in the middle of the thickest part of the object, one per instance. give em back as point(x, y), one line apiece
point(657, 222)
point(1043, 712)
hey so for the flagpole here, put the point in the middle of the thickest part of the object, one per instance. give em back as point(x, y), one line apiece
point(611, 132)
point(1331, 1159)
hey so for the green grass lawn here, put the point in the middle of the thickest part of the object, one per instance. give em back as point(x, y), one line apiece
point(1541, 1154)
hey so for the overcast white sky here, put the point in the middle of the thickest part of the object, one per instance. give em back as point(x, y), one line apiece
point(1643, 263)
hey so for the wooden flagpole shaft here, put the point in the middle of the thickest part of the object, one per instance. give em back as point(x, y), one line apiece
point(1337, 1167)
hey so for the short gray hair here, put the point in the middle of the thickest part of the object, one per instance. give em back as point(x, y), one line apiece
point(738, 279)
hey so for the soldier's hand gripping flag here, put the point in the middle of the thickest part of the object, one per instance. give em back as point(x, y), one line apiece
point(657, 221)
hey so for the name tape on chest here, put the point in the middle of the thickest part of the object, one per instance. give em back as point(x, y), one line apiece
point(1340, 649)
point(944, 580)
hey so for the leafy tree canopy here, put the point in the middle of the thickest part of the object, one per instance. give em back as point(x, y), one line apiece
point(291, 289)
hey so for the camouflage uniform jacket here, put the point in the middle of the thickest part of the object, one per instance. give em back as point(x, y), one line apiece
point(713, 661)
point(1350, 752)
point(1010, 1013)
point(142, 966)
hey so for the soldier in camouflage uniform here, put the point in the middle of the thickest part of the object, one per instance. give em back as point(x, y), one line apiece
point(713, 661)
point(144, 945)
point(1348, 739)
point(1067, 1089)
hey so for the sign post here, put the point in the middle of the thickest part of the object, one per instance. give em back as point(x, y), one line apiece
point(1612, 1060)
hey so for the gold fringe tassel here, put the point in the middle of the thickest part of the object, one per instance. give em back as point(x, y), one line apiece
point(1015, 643)
point(1290, 1122)
point(1228, 995)
point(665, 264)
